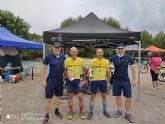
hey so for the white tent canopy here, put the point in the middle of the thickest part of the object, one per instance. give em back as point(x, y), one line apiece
point(134, 48)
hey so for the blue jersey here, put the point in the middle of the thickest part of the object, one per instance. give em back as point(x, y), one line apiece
point(121, 66)
point(56, 66)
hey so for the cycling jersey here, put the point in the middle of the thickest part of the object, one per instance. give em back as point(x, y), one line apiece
point(74, 67)
point(99, 68)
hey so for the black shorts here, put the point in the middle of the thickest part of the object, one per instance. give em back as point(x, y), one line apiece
point(54, 88)
point(154, 75)
point(122, 86)
point(102, 85)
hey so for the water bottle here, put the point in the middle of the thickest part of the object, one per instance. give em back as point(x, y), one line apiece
point(1, 80)
point(7, 75)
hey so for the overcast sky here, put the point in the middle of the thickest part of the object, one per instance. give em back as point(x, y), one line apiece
point(44, 15)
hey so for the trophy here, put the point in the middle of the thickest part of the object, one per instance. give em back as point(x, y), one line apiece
point(90, 73)
point(72, 73)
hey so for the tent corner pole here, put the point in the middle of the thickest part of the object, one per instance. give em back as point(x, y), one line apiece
point(139, 59)
point(44, 50)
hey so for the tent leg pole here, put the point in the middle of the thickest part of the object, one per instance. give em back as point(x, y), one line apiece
point(44, 48)
point(139, 59)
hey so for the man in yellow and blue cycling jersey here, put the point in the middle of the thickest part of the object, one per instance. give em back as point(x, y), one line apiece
point(72, 69)
point(101, 80)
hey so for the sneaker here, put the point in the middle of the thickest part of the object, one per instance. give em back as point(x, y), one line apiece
point(90, 115)
point(106, 113)
point(117, 114)
point(58, 114)
point(157, 87)
point(45, 121)
point(82, 116)
point(129, 117)
point(153, 88)
point(70, 115)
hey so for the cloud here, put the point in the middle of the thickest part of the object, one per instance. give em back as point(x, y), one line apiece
point(48, 14)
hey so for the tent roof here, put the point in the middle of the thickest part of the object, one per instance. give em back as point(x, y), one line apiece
point(9, 39)
point(134, 48)
point(91, 31)
point(153, 48)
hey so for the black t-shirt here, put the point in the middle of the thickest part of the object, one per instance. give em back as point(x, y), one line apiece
point(56, 66)
point(121, 66)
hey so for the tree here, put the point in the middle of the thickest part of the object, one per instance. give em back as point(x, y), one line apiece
point(15, 24)
point(35, 37)
point(146, 39)
point(159, 40)
point(112, 22)
point(70, 21)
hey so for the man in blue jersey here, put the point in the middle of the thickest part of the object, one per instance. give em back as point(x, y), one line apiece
point(54, 83)
point(121, 82)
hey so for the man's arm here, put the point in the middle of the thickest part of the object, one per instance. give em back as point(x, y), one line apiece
point(66, 70)
point(133, 70)
point(85, 73)
point(43, 73)
point(66, 74)
point(108, 74)
point(82, 83)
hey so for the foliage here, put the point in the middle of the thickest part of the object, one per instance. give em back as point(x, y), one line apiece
point(146, 39)
point(15, 24)
point(112, 22)
point(70, 21)
point(35, 37)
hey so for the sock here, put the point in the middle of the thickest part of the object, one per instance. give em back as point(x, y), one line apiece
point(47, 115)
point(127, 113)
point(71, 108)
point(104, 106)
point(56, 110)
point(91, 106)
point(81, 109)
point(120, 109)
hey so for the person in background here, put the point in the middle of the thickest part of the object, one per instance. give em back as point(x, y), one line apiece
point(121, 82)
point(155, 63)
point(54, 83)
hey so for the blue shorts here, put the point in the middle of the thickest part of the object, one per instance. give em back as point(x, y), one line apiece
point(102, 85)
point(71, 85)
point(54, 88)
point(119, 86)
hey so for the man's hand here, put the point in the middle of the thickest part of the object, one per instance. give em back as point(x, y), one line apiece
point(70, 78)
point(82, 83)
point(108, 85)
point(133, 82)
point(44, 84)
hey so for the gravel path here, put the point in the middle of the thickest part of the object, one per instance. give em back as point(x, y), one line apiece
point(23, 103)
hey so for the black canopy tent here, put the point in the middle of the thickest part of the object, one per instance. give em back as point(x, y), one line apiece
point(91, 32)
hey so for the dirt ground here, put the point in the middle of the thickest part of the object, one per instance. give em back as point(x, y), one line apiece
point(22, 103)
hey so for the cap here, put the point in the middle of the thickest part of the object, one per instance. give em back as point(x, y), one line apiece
point(121, 45)
point(57, 44)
